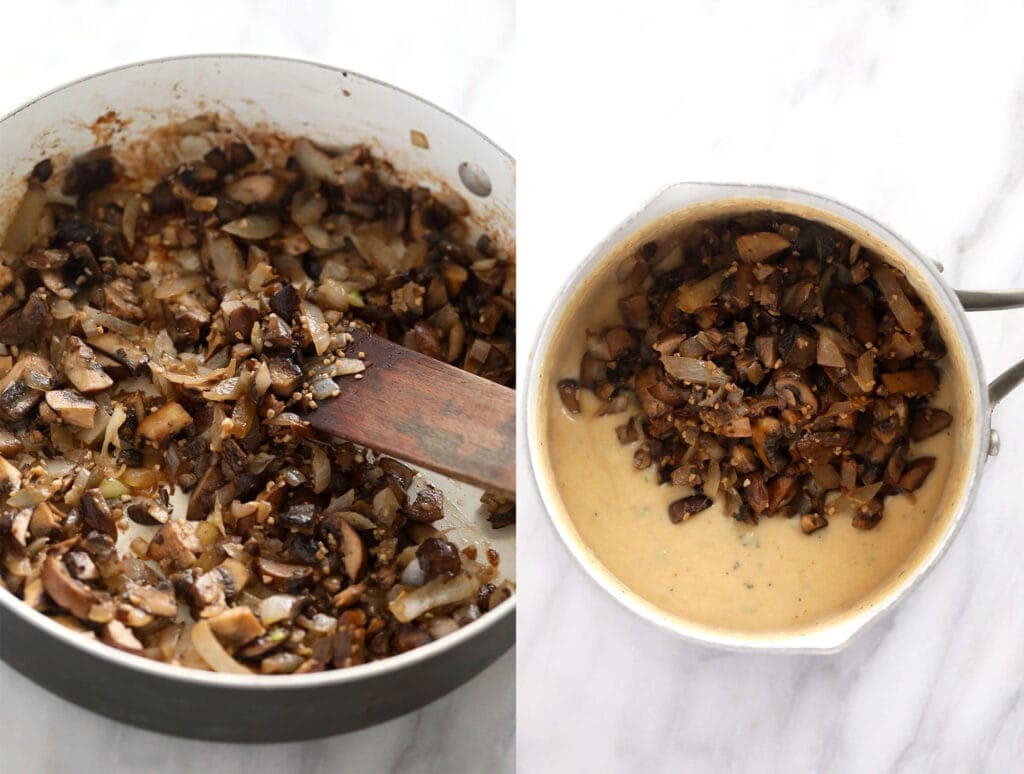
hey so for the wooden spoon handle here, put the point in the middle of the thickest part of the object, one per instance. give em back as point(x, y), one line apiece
point(426, 412)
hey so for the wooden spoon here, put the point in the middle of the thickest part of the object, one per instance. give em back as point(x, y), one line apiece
point(426, 412)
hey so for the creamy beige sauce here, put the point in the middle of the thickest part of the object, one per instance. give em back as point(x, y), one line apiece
point(713, 571)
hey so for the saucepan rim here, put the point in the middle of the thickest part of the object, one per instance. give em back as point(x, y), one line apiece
point(827, 638)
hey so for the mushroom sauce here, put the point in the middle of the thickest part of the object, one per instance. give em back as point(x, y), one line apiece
point(714, 571)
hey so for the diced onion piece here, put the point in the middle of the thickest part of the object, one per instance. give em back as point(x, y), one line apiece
point(323, 388)
point(690, 369)
point(321, 465)
point(892, 290)
point(277, 607)
point(696, 295)
point(413, 575)
point(112, 487)
point(229, 389)
point(319, 332)
point(177, 286)
point(212, 652)
point(253, 227)
point(294, 477)
point(225, 259)
point(94, 319)
point(315, 163)
point(437, 593)
point(62, 309)
point(130, 218)
point(25, 223)
point(713, 478)
point(110, 437)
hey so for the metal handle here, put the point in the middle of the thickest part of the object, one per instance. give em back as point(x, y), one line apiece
point(989, 301)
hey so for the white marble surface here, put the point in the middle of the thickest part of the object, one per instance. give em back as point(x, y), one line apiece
point(460, 57)
point(912, 111)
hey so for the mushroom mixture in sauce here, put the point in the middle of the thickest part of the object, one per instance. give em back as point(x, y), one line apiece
point(777, 364)
point(162, 334)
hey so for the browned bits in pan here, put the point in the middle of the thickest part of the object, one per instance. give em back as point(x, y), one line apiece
point(778, 367)
point(169, 333)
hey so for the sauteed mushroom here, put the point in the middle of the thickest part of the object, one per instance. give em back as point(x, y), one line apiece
point(783, 369)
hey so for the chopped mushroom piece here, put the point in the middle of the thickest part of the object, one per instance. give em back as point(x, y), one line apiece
point(428, 506)
point(121, 637)
point(72, 407)
point(177, 542)
point(23, 386)
point(920, 381)
point(27, 323)
point(760, 245)
point(915, 473)
point(281, 576)
point(438, 558)
point(82, 368)
point(686, 508)
point(121, 349)
point(158, 601)
point(166, 421)
point(236, 627)
point(96, 512)
point(72, 595)
point(929, 421)
point(569, 392)
point(812, 522)
point(353, 553)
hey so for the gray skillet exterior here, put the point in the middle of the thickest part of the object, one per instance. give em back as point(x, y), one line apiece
point(233, 708)
point(322, 102)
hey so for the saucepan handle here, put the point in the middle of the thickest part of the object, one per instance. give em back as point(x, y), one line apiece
point(991, 300)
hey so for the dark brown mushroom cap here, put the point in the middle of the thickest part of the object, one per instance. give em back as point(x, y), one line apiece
point(97, 514)
point(928, 421)
point(770, 443)
point(26, 323)
point(794, 390)
point(200, 502)
point(428, 506)
point(438, 558)
point(812, 522)
point(686, 508)
point(283, 576)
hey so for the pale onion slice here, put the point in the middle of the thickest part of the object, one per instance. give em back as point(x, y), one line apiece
point(321, 465)
point(22, 230)
point(278, 607)
point(176, 286)
point(319, 331)
point(437, 593)
point(212, 652)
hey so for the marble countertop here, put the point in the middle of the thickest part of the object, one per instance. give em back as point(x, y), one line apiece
point(911, 111)
point(461, 61)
